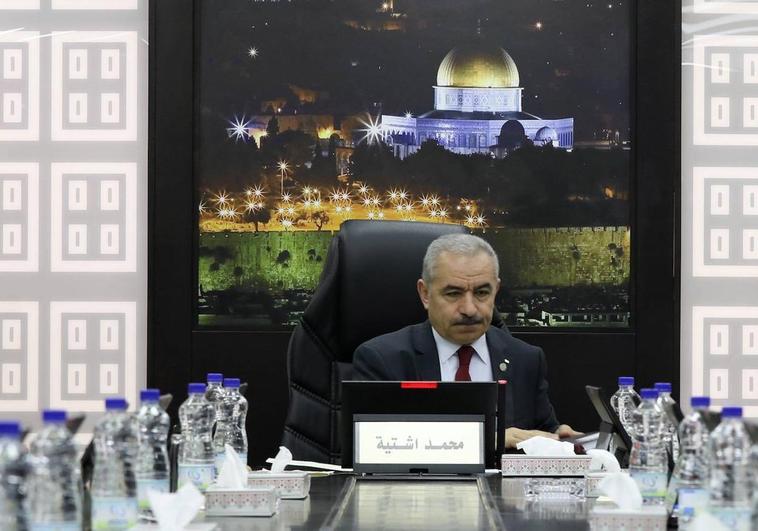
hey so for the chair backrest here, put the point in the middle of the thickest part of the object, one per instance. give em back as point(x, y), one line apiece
point(367, 288)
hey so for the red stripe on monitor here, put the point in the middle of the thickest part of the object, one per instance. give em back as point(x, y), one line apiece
point(418, 385)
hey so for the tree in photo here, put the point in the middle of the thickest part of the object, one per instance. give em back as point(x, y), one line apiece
point(256, 216)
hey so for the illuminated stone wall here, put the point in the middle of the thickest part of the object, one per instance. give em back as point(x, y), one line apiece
point(278, 260)
point(564, 256)
point(529, 257)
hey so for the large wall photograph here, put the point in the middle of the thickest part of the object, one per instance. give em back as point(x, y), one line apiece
point(511, 117)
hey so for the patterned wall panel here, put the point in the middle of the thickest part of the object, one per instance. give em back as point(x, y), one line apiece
point(73, 204)
point(719, 332)
point(92, 353)
point(720, 7)
point(19, 85)
point(19, 217)
point(93, 217)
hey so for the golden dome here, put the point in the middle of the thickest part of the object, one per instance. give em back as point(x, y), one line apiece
point(477, 66)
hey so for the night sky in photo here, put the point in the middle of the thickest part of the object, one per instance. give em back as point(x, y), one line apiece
point(573, 57)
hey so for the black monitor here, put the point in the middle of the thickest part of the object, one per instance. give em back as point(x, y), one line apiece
point(673, 412)
point(712, 419)
point(418, 398)
point(675, 415)
point(610, 425)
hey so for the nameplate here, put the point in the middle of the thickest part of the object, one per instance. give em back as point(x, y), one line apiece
point(438, 444)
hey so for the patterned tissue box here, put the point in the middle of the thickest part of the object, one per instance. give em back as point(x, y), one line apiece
point(529, 465)
point(605, 517)
point(291, 485)
point(593, 482)
point(240, 502)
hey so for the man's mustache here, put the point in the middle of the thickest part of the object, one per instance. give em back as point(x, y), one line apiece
point(468, 321)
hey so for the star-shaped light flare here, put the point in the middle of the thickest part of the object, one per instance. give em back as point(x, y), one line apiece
point(221, 198)
point(239, 129)
point(372, 129)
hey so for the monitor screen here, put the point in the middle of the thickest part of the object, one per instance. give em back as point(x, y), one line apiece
point(436, 401)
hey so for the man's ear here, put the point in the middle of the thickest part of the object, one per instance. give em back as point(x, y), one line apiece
point(423, 293)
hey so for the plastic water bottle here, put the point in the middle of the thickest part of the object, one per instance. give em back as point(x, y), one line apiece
point(238, 433)
point(670, 430)
point(690, 477)
point(13, 470)
point(152, 460)
point(230, 427)
point(647, 459)
point(214, 392)
point(196, 463)
point(729, 483)
point(54, 484)
point(625, 400)
point(114, 484)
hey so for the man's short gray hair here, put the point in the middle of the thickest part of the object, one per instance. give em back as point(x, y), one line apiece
point(458, 244)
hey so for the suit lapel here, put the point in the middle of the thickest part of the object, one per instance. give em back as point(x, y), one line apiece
point(428, 362)
point(427, 359)
point(498, 360)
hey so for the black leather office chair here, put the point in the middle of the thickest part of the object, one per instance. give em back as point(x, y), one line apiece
point(367, 288)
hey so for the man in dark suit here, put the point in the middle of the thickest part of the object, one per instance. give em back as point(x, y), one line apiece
point(458, 287)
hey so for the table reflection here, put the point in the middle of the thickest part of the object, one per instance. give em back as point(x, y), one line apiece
point(414, 505)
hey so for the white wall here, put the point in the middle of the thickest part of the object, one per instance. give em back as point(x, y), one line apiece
point(719, 310)
point(73, 204)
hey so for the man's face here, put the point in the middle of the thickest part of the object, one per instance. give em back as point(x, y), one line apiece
point(461, 296)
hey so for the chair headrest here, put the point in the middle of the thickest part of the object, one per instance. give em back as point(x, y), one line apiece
point(379, 264)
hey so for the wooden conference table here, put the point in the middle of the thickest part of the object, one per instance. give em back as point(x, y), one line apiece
point(489, 502)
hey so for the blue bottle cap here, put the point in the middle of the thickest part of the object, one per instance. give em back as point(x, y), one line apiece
point(115, 404)
point(233, 383)
point(700, 401)
point(195, 388)
point(649, 393)
point(731, 412)
point(55, 416)
point(663, 387)
point(626, 380)
point(10, 429)
point(215, 377)
point(149, 395)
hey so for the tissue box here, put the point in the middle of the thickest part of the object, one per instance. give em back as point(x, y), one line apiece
point(611, 518)
point(240, 502)
point(555, 488)
point(529, 465)
point(593, 482)
point(293, 485)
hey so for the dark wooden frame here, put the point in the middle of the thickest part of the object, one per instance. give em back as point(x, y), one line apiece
point(178, 353)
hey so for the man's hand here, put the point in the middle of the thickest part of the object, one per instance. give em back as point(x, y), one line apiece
point(565, 431)
point(513, 436)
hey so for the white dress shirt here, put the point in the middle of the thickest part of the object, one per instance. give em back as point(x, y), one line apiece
point(479, 368)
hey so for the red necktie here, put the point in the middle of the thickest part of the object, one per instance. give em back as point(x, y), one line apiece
point(464, 360)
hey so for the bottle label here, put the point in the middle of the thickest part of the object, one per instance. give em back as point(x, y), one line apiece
point(734, 518)
point(219, 460)
point(651, 484)
point(113, 513)
point(146, 485)
point(697, 499)
point(200, 475)
point(52, 526)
